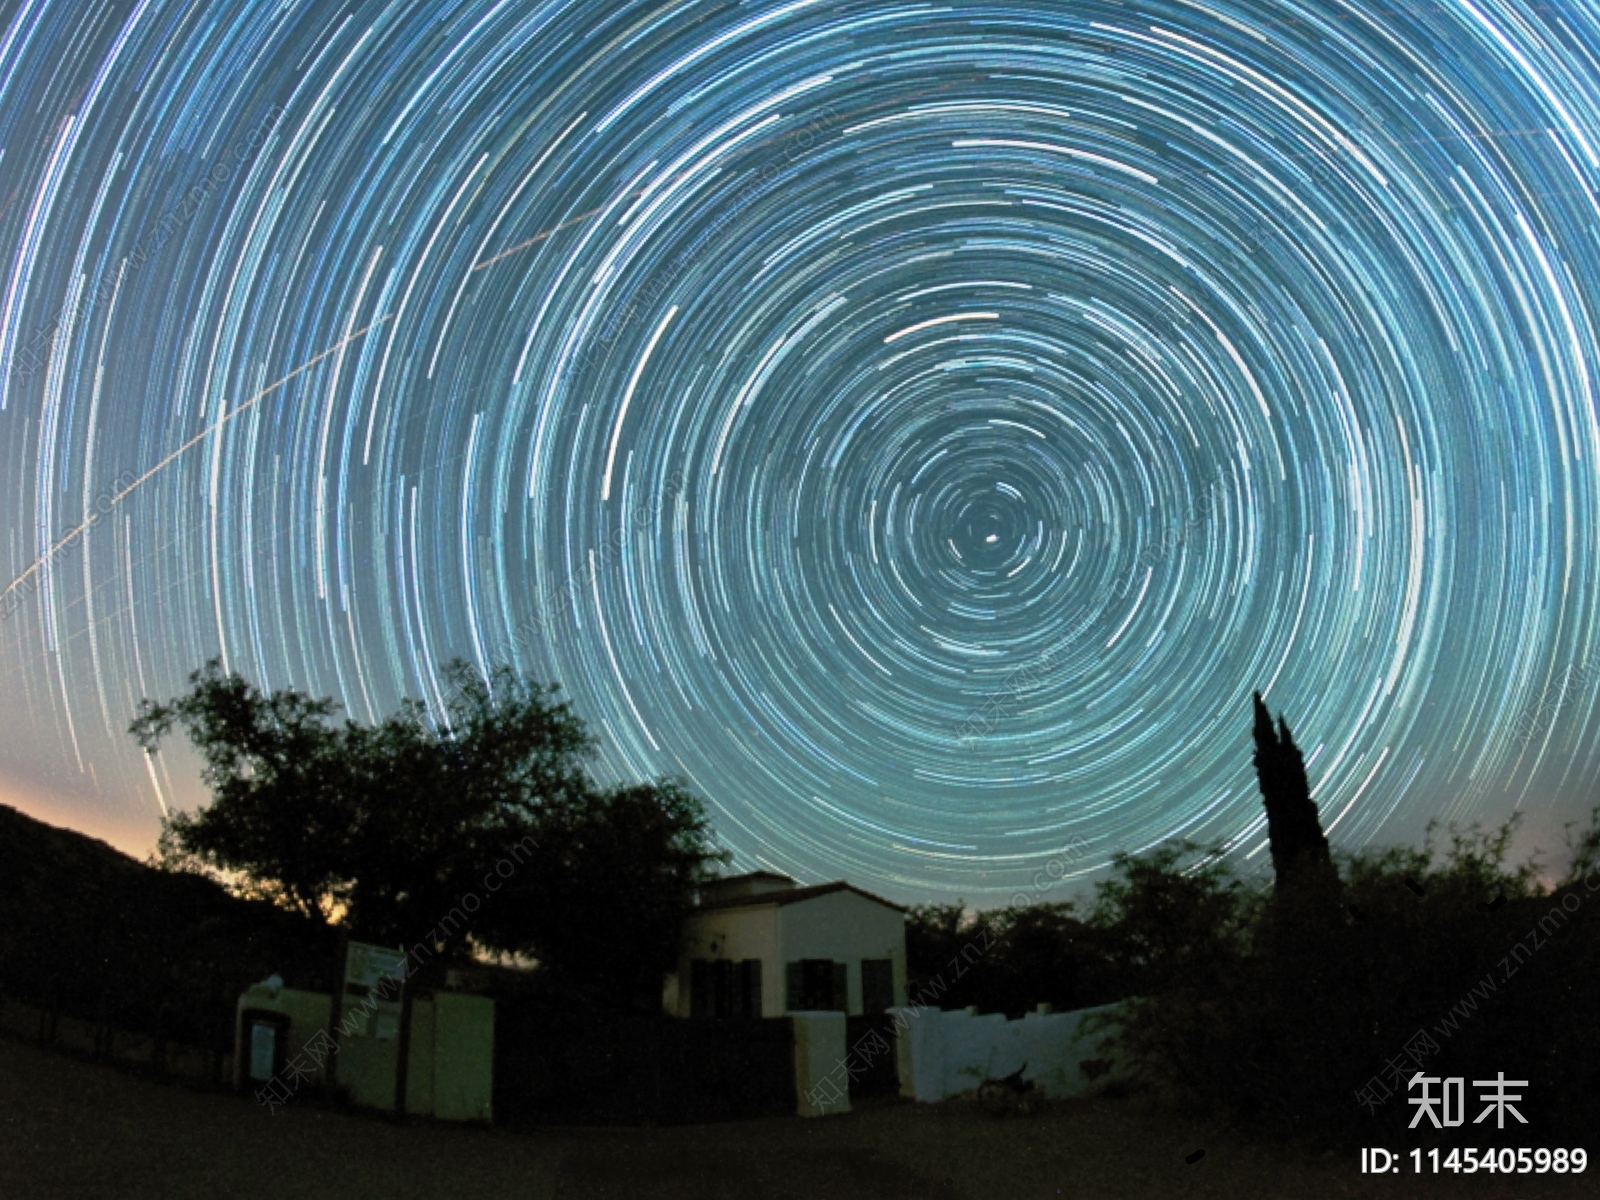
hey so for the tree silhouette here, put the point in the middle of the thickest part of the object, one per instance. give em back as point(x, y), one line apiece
point(404, 829)
point(1300, 854)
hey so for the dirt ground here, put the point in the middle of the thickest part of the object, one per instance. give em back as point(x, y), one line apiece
point(76, 1130)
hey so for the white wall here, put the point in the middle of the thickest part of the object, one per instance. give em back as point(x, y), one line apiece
point(451, 1063)
point(942, 1054)
point(840, 926)
point(845, 927)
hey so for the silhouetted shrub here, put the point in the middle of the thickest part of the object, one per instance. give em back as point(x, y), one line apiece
point(1312, 1017)
point(1007, 960)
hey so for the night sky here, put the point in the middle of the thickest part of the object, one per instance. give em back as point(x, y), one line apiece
point(918, 426)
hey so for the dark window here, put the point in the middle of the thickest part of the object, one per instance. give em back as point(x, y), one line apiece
point(721, 987)
point(816, 984)
point(877, 984)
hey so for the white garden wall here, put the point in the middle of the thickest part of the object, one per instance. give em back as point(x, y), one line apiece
point(941, 1054)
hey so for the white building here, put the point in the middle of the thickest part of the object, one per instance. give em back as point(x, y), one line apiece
point(759, 945)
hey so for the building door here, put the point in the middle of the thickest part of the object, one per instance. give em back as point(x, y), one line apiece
point(266, 1037)
point(877, 984)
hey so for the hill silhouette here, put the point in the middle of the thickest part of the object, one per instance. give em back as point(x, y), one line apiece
point(89, 932)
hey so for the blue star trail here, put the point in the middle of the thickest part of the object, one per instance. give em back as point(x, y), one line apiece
point(919, 427)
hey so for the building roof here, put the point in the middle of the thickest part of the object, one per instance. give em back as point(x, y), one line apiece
point(752, 884)
point(793, 896)
point(749, 876)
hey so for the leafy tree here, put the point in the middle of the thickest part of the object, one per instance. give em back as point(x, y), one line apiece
point(281, 787)
point(1585, 851)
point(608, 889)
point(1008, 960)
point(1176, 915)
point(392, 827)
point(382, 825)
point(1046, 953)
point(935, 934)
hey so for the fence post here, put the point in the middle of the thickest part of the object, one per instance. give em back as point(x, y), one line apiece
point(820, 1081)
point(655, 1071)
point(336, 1006)
point(402, 1066)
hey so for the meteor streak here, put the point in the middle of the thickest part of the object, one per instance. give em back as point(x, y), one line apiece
point(204, 433)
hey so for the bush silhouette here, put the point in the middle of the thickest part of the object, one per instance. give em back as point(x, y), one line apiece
point(1307, 1020)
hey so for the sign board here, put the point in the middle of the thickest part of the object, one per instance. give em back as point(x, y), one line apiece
point(366, 965)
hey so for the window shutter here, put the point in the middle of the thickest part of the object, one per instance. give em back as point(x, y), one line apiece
point(699, 988)
point(841, 987)
point(792, 977)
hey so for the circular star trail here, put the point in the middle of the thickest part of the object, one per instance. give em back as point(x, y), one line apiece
point(919, 427)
